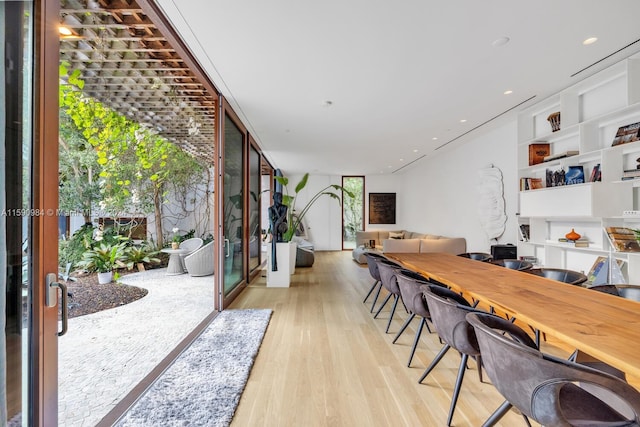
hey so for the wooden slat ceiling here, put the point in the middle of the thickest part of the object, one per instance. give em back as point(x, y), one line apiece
point(130, 66)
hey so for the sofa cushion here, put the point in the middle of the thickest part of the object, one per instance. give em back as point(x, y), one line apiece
point(432, 236)
point(394, 235)
point(401, 245)
point(455, 245)
point(363, 237)
point(414, 235)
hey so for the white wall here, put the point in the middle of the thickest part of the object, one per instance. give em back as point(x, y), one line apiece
point(440, 193)
point(437, 195)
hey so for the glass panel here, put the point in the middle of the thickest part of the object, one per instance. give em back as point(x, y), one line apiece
point(352, 210)
point(254, 209)
point(232, 200)
point(15, 174)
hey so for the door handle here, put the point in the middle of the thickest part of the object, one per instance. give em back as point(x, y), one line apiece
point(51, 298)
point(226, 245)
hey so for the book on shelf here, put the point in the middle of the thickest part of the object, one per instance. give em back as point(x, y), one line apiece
point(524, 232)
point(596, 174)
point(580, 243)
point(562, 155)
point(530, 183)
point(575, 175)
point(599, 273)
point(622, 239)
point(628, 133)
point(537, 152)
point(631, 173)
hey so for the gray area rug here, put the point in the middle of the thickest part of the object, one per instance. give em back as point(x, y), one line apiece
point(203, 386)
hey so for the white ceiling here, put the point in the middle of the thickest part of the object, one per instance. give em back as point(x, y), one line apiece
point(397, 73)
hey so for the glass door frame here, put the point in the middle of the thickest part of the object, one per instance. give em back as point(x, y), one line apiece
point(43, 354)
point(364, 192)
point(227, 111)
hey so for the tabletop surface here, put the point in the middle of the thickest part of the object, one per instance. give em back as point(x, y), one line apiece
point(605, 326)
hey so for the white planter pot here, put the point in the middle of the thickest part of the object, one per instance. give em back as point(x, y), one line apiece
point(104, 278)
point(282, 277)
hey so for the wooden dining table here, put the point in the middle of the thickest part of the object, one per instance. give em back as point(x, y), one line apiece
point(603, 326)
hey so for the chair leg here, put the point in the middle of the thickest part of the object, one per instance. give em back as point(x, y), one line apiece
point(393, 311)
point(435, 361)
point(416, 339)
point(479, 364)
point(382, 305)
point(406, 324)
point(370, 290)
point(498, 414)
point(456, 389)
point(375, 300)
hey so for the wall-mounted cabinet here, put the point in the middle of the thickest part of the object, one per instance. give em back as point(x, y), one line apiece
point(591, 112)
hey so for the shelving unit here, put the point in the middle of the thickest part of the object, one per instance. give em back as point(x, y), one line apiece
point(591, 112)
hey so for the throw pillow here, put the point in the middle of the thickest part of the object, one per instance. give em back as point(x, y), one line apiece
point(393, 235)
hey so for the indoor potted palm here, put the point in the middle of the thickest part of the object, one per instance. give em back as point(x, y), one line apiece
point(295, 217)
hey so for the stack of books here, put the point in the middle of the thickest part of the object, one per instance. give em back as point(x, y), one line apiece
point(630, 174)
point(530, 183)
point(580, 243)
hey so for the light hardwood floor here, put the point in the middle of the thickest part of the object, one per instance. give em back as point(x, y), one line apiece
point(325, 361)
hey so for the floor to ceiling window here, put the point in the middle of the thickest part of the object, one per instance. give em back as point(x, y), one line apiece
point(352, 210)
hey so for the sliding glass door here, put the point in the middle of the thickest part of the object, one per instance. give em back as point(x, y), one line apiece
point(352, 210)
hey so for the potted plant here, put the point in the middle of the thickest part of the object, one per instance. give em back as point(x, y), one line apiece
point(139, 255)
point(103, 259)
point(175, 241)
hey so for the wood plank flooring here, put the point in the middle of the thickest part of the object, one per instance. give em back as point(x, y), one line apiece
point(325, 361)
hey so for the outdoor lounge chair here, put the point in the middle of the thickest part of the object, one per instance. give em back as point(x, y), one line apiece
point(200, 262)
point(191, 245)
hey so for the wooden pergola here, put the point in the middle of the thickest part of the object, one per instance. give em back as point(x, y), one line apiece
point(129, 65)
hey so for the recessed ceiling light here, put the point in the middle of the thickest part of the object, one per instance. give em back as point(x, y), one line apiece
point(415, 151)
point(590, 40)
point(402, 160)
point(463, 120)
point(500, 41)
point(64, 31)
point(508, 92)
point(389, 167)
point(435, 138)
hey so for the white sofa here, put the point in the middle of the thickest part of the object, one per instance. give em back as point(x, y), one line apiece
point(410, 242)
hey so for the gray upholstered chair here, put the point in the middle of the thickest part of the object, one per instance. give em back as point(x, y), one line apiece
point(389, 281)
point(448, 314)
point(411, 284)
point(623, 290)
point(375, 274)
point(547, 389)
point(478, 256)
point(513, 264)
point(189, 245)
point(201, 261)
point(561, 275)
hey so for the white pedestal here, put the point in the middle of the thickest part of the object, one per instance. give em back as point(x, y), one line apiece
point(282, 277)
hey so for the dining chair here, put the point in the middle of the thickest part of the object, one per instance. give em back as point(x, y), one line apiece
point(410, 284)
point(513, 264)
point(478, 256)
point(448, 314)
point(560, 274)
point(547, 389)
point(372, 265)
point(389, 281)
point(631, 292)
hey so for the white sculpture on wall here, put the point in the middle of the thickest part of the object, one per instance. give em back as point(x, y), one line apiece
point(491, 205)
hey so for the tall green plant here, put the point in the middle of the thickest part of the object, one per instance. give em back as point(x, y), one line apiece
point(294, 217)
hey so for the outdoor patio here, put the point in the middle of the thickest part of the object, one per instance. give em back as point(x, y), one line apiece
point(105, 354)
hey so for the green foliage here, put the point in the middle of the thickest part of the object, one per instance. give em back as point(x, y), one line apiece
point(103, 258)
point(294, 218)
point(133, 163)
point(144, 253)
point(352, 209)
point(71, 250)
